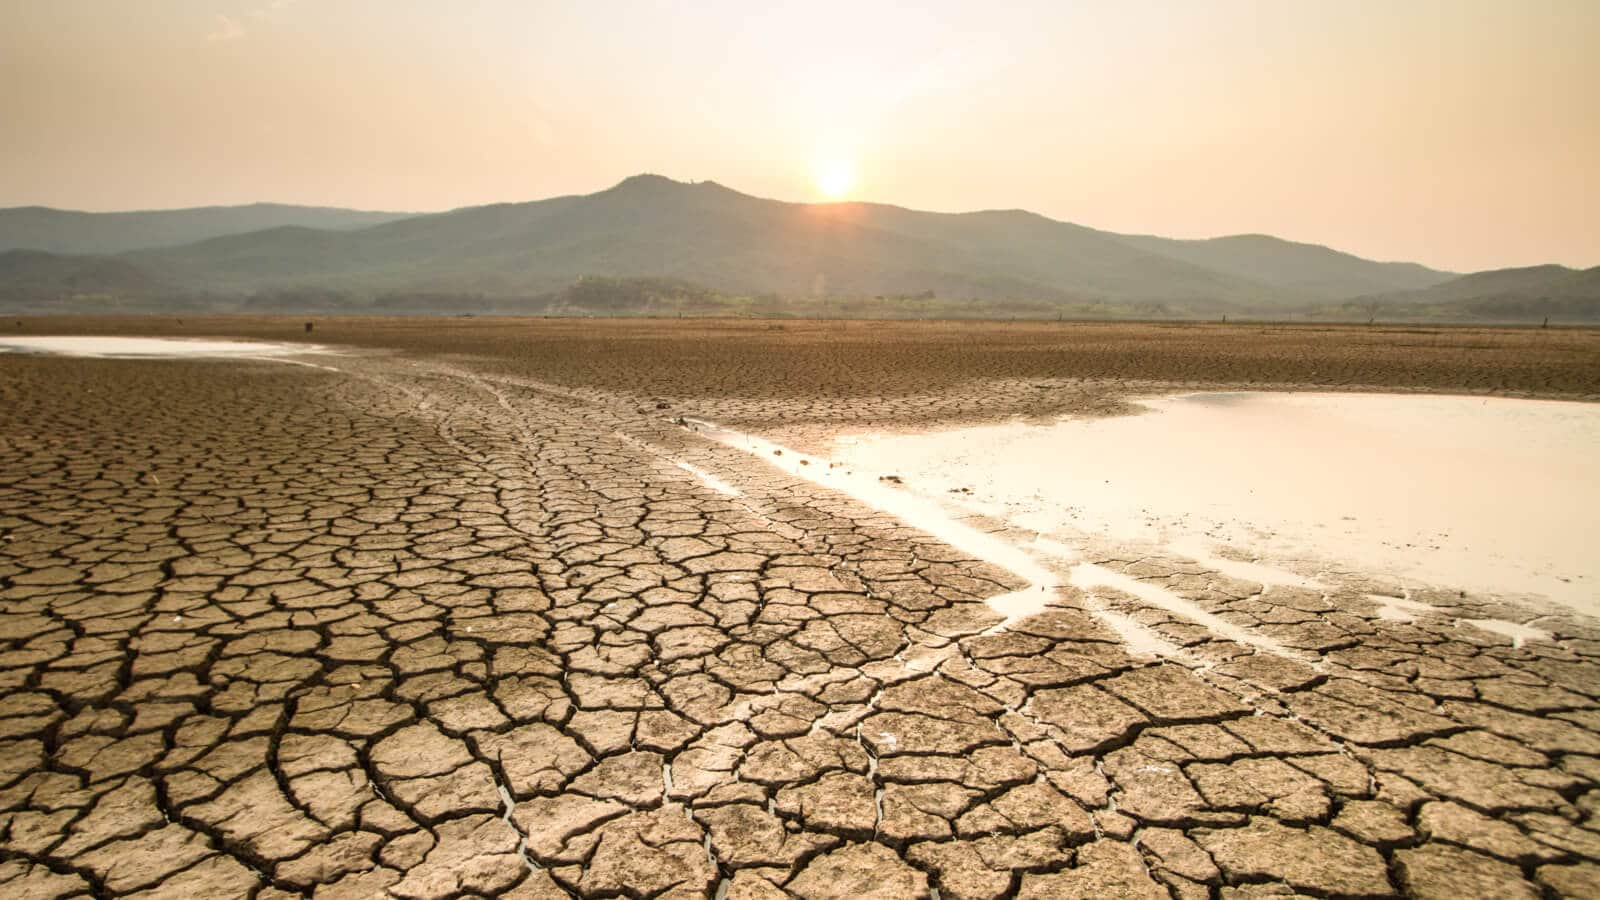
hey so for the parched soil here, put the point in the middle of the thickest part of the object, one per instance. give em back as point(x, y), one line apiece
point(452, 619)
point(807, 360)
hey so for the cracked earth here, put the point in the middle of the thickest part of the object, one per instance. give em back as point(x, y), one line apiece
point(417, 625)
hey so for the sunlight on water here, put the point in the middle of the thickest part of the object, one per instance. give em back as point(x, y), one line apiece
point(151, 348)
point(1492, 495)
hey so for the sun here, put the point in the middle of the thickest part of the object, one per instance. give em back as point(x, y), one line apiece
point(834, 178)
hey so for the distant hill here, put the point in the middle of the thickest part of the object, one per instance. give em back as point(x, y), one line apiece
point(30, 271)
point(650, 243)
point(1308, 269)
point(1520, 295)
point(69, 231)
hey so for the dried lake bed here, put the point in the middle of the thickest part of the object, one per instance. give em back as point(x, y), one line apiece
point(499, 611)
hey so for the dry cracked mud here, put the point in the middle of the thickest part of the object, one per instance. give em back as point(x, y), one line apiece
point(426, 625)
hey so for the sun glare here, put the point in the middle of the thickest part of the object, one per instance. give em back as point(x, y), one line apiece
point(834, 178)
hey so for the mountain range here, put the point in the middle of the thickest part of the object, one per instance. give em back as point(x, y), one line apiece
point(71, 231)
point(651, 244)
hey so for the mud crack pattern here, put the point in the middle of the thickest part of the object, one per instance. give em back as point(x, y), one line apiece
point(412, 629)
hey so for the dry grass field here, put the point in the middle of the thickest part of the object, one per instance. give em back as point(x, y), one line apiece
point(445, 615)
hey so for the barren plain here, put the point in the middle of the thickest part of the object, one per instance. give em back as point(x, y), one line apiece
point(472, 608)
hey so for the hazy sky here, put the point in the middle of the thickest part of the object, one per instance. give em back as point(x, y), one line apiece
point(1461, 134)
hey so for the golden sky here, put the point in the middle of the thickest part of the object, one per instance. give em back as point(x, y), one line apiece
point(1457, 133)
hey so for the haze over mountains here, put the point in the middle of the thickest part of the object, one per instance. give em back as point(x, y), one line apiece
point(70, 231)
point(650, 244)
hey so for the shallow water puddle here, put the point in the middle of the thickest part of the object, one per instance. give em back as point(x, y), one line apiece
point(709, 480)
point(1205, 551)
point(1089, 576)
point(1493, 495)
point(1138, 638)
point(1401, 609)
point(935, 518)
point(156, 348)
point(920, 512)
point(1519, 634)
